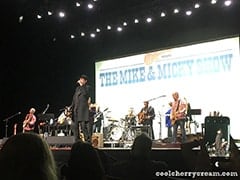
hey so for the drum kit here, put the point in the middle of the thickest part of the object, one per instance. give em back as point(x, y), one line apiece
point(118, 130)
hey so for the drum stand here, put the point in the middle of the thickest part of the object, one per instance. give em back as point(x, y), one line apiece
point(160, 127)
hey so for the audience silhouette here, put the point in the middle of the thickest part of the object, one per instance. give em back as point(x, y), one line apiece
point(26, 156)
point(84, 162)
point(139, 165)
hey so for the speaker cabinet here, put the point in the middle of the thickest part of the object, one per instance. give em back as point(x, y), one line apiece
point(60, 140)
point(97, 140)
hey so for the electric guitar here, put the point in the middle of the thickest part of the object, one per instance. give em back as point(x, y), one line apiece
point(96, 116)
point(173, 117)
point(26, 121)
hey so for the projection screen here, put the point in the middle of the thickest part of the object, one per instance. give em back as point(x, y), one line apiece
point(205, 74)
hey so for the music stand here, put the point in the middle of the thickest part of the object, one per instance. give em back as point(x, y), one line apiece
point(45, 117)
point(195, 111)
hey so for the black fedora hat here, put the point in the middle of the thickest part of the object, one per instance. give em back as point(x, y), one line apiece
point(84, 76)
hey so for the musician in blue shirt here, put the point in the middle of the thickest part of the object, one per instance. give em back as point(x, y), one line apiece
point(168, 121)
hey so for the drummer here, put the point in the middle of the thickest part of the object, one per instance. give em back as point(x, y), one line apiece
point(130, 118)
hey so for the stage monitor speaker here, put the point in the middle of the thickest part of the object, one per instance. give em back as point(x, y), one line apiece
point(60, 140)
point(97, 140)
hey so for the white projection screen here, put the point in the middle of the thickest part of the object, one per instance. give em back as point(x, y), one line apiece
point(206, 74)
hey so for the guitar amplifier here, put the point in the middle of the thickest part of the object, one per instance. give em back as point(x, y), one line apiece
point(97, 140)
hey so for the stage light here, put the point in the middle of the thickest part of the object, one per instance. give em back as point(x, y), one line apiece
point(125, 24)
point(72, 36)
point(90, 6)
point(163, 14)
point(39, 16)
point(109, 27)
point(20, 19)
point(188, 12)
point(136, 21)
point(197, 5)
point(50, 13)
point(92, 35)
point(149, 20)
point(119, 29)
point(82, 34)
point(61, 14)
point(78, 4)
point(175, 11)
point(98, 30)
point(213, 1)
point(227, 2)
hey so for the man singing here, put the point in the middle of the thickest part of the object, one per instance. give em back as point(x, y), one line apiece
point(80, 107)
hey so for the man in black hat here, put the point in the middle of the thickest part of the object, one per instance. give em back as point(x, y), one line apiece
point(80, 109)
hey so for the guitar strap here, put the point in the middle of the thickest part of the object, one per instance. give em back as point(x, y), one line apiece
point(178, 105)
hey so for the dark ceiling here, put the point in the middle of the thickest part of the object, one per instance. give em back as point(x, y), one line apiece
point(113, 12)
point(40, 62)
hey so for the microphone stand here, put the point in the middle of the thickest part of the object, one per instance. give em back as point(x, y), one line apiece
point(6, 122)
point(157, 97)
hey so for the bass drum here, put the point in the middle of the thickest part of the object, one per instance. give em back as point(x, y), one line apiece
point(116, 133)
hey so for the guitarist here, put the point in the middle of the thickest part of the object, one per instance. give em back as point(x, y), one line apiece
point(146, 117)
point(29, 121)
point(178, 116)
point(98, 118)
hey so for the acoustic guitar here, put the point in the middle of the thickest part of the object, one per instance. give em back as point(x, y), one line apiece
point(141, 117)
